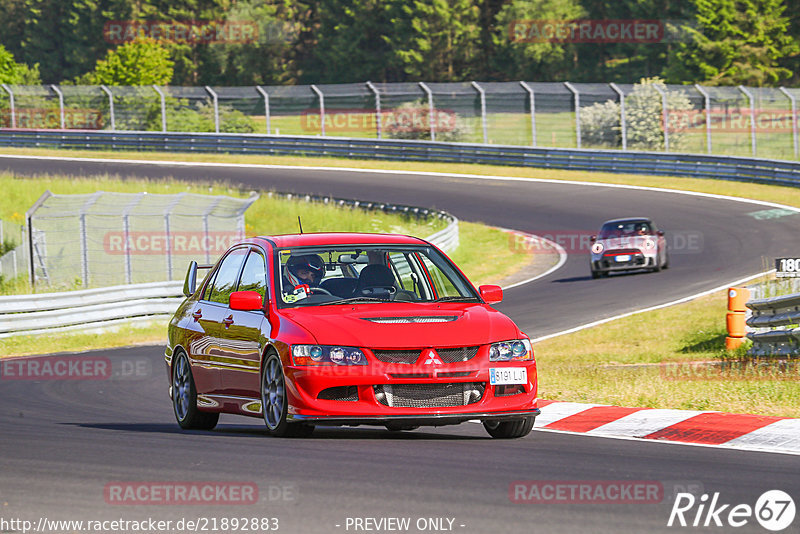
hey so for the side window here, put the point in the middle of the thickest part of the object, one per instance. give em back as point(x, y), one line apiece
point(225, 281)
point(444, 287)
point(254, 274)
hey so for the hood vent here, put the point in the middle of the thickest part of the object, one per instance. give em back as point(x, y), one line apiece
point(413, 319)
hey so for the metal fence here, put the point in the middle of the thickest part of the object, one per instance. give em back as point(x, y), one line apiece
point(13, 262)
point(102, 239)
point(743, 121)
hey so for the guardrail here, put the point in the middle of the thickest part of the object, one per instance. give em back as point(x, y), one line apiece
point(657, 163)
point(87, 309)
point(773, 314)
point(101, 308)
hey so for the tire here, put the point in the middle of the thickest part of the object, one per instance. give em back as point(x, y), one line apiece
point(275, 404)
point(184, 398)
point(399, 427)
point(666, 262)
point(517, 428)
point(595, 274)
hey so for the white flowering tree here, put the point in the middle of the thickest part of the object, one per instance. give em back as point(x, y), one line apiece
point(644, 118)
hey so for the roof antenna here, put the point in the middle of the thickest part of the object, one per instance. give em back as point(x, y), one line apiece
point(300, 224)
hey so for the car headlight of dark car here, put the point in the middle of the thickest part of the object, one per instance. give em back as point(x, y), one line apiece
point(327, 355)
point(515, 350)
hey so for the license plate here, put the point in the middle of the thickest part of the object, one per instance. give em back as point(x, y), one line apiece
point(623, 258)
point(501, 376)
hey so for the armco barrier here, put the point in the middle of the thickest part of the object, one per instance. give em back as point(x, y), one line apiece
point(111, 306)
point(654, 163)
point(773, 314)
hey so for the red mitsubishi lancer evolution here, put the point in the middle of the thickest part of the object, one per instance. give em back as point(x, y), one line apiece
point(347, 329)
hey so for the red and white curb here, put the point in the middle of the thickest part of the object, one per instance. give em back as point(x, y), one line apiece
point(718, 429)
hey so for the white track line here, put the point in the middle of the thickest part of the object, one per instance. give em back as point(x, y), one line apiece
point(562, 257)
point(653, 308)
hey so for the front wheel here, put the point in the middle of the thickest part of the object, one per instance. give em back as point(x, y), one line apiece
point(516, 428)
point(184, 398)
point(274, 403)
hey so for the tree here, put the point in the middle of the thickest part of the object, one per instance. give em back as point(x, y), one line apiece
point(141, 62)
point(517, 58)
point(17, 73)
point(600, 122)
point(737, 42)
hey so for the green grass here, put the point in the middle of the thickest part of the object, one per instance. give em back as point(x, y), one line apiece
point(642, 360)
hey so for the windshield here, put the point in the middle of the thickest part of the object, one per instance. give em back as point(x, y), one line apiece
point(343, 274)
point(625, 229)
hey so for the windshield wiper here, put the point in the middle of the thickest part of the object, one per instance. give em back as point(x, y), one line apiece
point(353, 299)
point(456, 299)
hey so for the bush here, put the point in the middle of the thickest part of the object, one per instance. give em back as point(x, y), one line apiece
point(412, 121)
point(600, 123)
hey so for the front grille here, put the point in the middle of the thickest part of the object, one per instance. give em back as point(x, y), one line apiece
point(397, 356)
point(454, 355)
point(461, 354)
point(429, 395)
point(618, 251)
point(339, 393)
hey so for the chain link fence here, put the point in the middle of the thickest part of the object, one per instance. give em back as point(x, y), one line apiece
point(741, 121)
point(103, 239)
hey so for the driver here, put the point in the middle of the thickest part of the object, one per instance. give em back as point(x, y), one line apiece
point(306, 269)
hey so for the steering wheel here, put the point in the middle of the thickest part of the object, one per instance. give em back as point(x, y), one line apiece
point(320, 289)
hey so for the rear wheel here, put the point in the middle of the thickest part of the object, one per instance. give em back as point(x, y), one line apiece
point(274, 402)
point(516, 428)
point(184, 398)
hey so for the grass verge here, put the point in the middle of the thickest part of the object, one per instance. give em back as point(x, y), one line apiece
point(669, 358)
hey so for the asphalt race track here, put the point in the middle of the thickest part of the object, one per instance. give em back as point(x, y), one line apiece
point(63, 442)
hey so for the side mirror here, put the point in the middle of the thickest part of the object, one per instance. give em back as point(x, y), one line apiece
point(246, 301)
point(491, 294)
point(593, 238)
point(660, 233)
point(190, 284)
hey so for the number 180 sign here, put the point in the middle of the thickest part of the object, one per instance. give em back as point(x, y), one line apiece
point(787, 267)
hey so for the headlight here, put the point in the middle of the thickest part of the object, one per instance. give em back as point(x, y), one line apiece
point(597, 248)
point(507, 351)
point(327, 355)
point(649, 244)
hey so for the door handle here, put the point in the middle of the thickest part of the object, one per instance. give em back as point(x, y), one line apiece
point(197, 315)
point(228, 321)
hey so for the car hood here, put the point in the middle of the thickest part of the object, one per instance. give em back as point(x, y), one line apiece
point(379, 326)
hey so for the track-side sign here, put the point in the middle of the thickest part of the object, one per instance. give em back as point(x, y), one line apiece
point(787, 267)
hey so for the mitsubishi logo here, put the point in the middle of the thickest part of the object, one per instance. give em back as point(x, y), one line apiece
point(431, 358)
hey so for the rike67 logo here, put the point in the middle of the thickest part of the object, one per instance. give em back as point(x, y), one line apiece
point(774, 510)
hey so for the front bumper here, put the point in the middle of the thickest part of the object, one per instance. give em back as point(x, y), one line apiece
point(411, 394)
point(415, 420)
point(610, 261)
